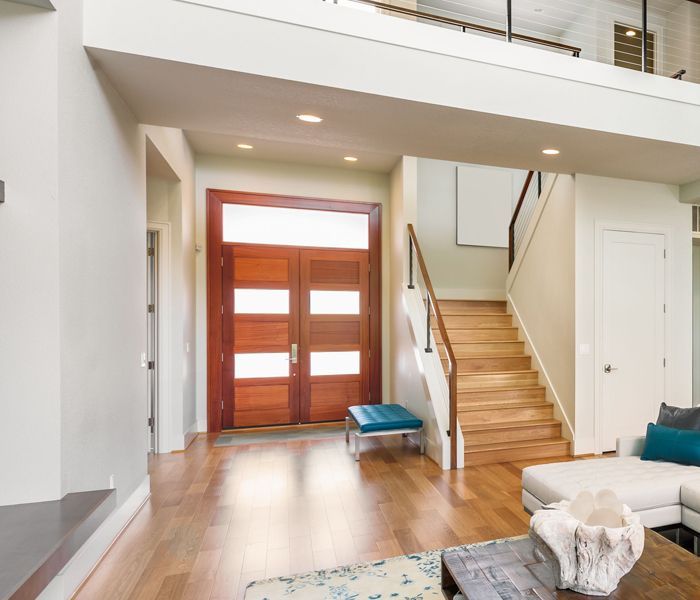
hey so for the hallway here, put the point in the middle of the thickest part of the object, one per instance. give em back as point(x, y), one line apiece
point(221, 517)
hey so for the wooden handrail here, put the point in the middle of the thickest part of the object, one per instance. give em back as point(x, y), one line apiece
point(451, 360)
point(514, 219)
point(472, 26)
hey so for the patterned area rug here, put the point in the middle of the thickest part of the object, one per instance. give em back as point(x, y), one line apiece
point(409, 577)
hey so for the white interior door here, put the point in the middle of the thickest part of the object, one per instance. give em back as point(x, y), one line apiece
point(632, 334)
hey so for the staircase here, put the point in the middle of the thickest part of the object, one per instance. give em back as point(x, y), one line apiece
point(502, 408)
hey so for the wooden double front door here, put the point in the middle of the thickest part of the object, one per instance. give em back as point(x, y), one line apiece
point(295, 334)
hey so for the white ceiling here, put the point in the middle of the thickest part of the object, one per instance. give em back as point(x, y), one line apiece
point(204, 142)
point(219, 109)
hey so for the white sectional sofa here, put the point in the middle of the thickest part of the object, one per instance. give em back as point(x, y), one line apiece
point(664, 494)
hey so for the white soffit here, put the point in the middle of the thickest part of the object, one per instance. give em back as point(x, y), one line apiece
point(209, 103)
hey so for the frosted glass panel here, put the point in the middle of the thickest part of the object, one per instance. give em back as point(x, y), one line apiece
point(247, 224)
point(335, 363)
point(263, 364)
point(335, 303)
point(265, 302)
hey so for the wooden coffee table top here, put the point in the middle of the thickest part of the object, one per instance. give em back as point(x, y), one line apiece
point(510, 570)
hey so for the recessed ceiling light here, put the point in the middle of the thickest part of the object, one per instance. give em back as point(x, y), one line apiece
point(245, 146)
point(550, 151)
point(309, 118)
point(630, 33)
point(350, 158)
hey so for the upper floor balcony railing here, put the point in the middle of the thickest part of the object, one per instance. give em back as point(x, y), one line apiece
point(655, 36)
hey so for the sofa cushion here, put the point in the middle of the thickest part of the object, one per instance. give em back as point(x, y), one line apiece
point(674, 445)
point(383, 417)
point(690, 494)
point(680, 418)
point(642, 485)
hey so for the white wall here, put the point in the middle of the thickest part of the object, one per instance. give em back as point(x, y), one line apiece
point(541, 293)
point(458, 272)
point(102, 272)
point(696, 323)
point(173, 202)
point(417, 379)
point(601, 201)
point(247, 175)
point(29, 336)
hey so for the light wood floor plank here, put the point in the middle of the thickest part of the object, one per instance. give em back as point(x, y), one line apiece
point(221, 517)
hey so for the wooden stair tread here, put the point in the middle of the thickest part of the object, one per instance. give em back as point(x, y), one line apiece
point(518, 444)
point(478, 405)
point(474, 427)
point(514, 388)
point(501, 404)
point(495, 356)
point(479, 373)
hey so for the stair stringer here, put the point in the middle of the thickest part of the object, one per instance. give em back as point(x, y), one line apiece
point(433, 375)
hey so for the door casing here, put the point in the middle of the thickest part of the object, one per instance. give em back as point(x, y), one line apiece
point(630, 227)
point(215, 201)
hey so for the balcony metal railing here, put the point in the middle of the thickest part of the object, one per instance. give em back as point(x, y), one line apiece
point(653, 36)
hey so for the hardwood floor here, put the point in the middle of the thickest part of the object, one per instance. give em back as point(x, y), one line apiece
point(221, 517)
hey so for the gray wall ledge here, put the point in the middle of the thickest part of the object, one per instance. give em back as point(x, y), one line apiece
point(38, 539)
point(40, 3)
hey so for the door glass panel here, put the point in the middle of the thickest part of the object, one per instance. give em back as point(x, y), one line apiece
point(247, 224)
point(334, 303)
point(265, 302)
point(335, 363)
point(261, 364)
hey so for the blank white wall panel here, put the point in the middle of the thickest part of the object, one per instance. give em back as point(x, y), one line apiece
point(484, 206)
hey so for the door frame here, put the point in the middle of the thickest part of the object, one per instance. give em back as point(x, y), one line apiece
point(625, 227)
point(164, 411)
point(215, 200)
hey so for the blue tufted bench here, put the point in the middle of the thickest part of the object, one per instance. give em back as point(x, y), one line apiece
point(382, 419)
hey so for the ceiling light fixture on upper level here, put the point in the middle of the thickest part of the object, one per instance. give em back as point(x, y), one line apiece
point(630, 33)
point(550, 151)
point(350, 158)
point(245, 146)
point(309, 118)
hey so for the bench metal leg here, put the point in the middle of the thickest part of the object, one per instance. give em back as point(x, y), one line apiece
point(347, 430)
point(357, 447)
point(422, 440)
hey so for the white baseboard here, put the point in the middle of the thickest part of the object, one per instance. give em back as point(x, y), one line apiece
point(78, 569)
point(202, 426)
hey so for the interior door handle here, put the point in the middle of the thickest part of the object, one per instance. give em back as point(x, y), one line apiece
point(608, 368)
point(293, 354)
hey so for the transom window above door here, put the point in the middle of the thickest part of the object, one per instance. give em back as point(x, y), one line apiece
point(252, 224)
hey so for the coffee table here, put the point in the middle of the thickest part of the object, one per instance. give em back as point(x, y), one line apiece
point(510, 569)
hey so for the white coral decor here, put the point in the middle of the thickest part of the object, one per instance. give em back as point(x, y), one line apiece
point(591, 541)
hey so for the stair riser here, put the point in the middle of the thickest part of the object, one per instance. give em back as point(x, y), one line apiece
point(516, 454)
point(504, 415)
point(473, 438)
point(493, 363)
point(477, 321)
point(492, 380)
point(488, 349)
point(462, 336)
point(501, 395)
point(460, 307)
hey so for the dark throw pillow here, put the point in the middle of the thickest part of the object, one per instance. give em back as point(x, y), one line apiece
point(680, 446)
point(679, 418)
